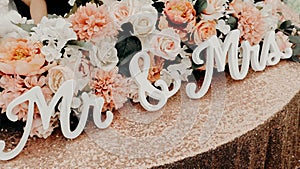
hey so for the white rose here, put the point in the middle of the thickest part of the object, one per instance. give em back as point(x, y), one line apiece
point(144, 22)
point(121, 11)
point(104, 56)
point(166, 44)
point(58, 75)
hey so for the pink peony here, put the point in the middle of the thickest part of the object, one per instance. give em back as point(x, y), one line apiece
point(250, 21)
point(203, 31)
point(92, 21)
point(21, 57)
point(179, 11)
point(112, 87)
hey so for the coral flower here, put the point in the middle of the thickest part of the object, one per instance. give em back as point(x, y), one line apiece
point(15, 87)
point(21, 57)
point(112, 87)
point(92, 21)
point(250, 22)
point(179, 11)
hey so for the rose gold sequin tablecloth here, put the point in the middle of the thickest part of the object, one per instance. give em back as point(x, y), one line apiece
point(231, 122)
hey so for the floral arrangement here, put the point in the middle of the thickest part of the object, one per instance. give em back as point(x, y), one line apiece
point(95, 42)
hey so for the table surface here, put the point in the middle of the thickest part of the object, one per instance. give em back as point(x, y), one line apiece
point(184, 128)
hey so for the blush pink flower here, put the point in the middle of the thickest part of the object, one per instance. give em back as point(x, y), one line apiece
point(179, 11)
point(92, 21)
point(250, 21)
point(38, 130)
point(166, 44)
point(283, 41)
point(215, 9)
point(16, 86)
point(203, 30)
point(21, 57)
point(112, 87)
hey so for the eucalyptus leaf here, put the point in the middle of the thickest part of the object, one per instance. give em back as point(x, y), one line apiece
point(296, 50)
point(286, 24)
point(295, 39)
point(200, 5)
point(295, 59)
point(85, 45)
point(232, 22)
point(127, 47)
point(26, 27)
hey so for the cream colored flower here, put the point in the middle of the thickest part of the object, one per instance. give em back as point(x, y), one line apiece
point(58, 75)
point(105, 55)
point(215, 9)
point(144, 22)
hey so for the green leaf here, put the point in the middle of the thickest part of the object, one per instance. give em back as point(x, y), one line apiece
point(295, 59)
point(200, 5)
point(296, 50)
point(85, 45)
point(285, 24)
point(295, 39)
point(26, 27)
point(127, 48)
point(232, 22)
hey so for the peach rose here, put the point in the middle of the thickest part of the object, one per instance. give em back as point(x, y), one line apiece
point(58, 75)
point(166, 44)
point(21, 57)
point(179, 11)
point(157, 64)
point(203, 31)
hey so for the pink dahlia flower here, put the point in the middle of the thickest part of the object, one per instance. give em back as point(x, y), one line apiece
point(250, 21)
point(16, 86)
point(112, 87)
point(92, 21)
